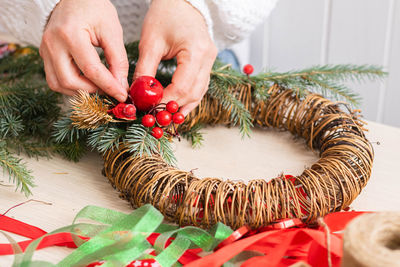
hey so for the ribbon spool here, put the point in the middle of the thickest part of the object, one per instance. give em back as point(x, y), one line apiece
point(372, 240)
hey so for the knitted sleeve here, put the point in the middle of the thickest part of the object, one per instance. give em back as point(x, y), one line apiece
point(25, 19)
point(230, 21)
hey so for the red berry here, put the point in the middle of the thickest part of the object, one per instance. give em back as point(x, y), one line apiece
point(146, 92)
point(164, 118)
point(178, 118)
point(148, 120)
point(248, 69)
point(120, 109)
point(172, 106)
point(129, 111)
point(157, 132)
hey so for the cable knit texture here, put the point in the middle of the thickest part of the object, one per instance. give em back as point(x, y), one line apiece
point(228, 21)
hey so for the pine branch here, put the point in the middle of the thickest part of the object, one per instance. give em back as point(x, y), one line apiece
point(335, 91)
point(324, 80)
point(194, 135)
point(344, 72)
point(69, 141)
point(73, 151)
point(21, 67)
point(31, 148)
point(106, 138)
point(89, 111)
point(218, 89)
point(166, 152)
point(17, 171)
point(141, 143)
point(64, 131)
point(10, 124)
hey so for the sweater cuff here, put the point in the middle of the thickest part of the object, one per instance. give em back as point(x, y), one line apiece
point(26, 19)
point(201, 6)
point(46, 7)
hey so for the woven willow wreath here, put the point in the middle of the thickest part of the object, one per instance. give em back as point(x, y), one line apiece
point(329, 185)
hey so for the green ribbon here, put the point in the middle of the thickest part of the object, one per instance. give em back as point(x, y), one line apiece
point(118, 239)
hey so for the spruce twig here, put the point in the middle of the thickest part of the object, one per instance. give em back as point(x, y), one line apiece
point(194, 136)
point(17, 171)
point(141, 143)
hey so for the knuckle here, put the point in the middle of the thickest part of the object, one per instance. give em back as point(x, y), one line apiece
point(123, 64)
point(64, 32)
point(46, 38)
point(195, 97)
point(181, 92)
point(52, 84)
point(91, 70)
point(66, 83)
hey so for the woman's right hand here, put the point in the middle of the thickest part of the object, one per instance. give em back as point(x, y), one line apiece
point(68, 49)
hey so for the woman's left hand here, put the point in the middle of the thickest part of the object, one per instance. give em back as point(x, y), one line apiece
point(174, 28)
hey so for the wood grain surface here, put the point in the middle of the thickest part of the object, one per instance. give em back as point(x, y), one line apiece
point(268, 153)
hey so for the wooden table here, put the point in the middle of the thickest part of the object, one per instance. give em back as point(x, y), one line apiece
point(71, 186)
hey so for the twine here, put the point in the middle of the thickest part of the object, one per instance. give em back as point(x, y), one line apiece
point(372, 240)
point(329, 185)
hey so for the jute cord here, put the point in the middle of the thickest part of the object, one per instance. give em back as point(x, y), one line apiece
point(372, 240)
point(329, 185)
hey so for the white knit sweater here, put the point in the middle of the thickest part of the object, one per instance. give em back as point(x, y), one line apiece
point(228, 21)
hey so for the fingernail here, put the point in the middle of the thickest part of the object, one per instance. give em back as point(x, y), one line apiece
point(124, 83)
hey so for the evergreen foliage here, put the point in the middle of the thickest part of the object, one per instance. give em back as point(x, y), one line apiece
point(31, 120)
point(194, 136)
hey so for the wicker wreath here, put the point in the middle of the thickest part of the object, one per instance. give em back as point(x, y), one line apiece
point(329, 185)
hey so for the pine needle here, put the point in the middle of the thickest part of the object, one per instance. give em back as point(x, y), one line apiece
point(194, 135)
point(89, 111)
point(17, 172)
point(141, 143)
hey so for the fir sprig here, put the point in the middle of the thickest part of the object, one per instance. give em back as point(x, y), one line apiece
point(140, 143)
point(106, 138)
point(69, 141)
point(219, 89)
point(194, 136)
point(326, 80)
point(16, 170)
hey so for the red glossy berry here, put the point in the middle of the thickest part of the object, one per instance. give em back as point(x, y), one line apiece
point(157, 132)
point(129, 111)
point(178, 118)
point(148, 120)
point(164, 118)
point(124, 111)
point(146, 92)
point(172, 106)
point(248, 69)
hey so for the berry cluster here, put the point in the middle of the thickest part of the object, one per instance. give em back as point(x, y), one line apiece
point(164, 117)
point(145, 96)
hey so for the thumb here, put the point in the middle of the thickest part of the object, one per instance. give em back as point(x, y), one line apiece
point(149, 59)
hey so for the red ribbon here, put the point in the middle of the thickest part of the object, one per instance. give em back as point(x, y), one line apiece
point(282, 243)
point(65, 240)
